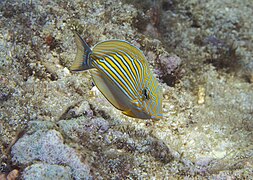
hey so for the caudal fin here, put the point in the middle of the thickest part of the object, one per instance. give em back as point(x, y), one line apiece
point(82, 61)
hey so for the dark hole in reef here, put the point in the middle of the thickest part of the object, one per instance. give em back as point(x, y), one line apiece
point(167, 5)
point(170, 79)
point(97, 112)
point(225, 58)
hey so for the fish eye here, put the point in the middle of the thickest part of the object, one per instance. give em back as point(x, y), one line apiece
point(145, 93)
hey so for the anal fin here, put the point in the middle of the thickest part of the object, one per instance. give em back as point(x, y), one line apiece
point(129, 113)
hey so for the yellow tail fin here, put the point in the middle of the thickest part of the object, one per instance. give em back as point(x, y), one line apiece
point(82, 61)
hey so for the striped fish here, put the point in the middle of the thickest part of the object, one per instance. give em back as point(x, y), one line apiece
point(122, 75)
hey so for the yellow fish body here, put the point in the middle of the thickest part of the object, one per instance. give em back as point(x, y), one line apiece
point(122, 75)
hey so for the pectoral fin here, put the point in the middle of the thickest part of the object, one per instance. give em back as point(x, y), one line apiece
point(137, 104)
point(112, 93)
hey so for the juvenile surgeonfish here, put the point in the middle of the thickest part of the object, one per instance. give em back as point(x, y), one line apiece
point(122, 75)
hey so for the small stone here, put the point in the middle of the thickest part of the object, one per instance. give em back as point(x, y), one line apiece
point(42, 171)
point(13, 175)
point(201, 95)
point(251, 78)
point(169, 63)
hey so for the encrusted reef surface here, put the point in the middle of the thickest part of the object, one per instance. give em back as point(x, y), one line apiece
point(55, 125)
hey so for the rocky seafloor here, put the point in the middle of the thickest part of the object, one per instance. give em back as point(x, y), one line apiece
point(55, 125)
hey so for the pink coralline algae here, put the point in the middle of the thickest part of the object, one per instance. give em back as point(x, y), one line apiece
point(168, 68)
point(169, 63)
